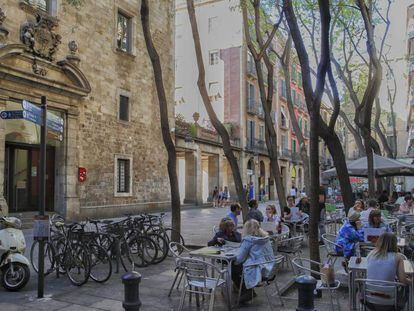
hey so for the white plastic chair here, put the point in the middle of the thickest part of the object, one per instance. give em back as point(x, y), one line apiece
point(199, 282)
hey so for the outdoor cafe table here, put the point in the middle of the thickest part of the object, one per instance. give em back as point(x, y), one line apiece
point(354, 268)
point(221, 254)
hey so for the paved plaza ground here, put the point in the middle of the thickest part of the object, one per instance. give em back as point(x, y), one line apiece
point(156, 280)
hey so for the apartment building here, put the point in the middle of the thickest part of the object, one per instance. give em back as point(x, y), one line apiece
point(233, 89)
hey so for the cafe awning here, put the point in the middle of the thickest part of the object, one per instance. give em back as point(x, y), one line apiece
point(382, 167)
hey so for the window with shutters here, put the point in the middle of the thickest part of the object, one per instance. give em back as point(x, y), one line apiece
point(123, 175)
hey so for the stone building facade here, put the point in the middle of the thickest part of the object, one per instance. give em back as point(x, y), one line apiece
point(92, 65)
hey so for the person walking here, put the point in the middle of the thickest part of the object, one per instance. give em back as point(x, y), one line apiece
point(215, 197)
point(251, 191)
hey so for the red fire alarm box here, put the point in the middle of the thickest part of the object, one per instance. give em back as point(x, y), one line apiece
point(82, 174)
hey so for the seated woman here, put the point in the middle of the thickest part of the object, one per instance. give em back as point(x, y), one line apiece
point(271, 214)
point(349, 235)
point(375, 221)
point(358, 207)
point(227, 232)
point(384, 263)
point(255, 248)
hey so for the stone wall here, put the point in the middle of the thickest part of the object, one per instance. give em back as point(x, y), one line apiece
point(99, 134)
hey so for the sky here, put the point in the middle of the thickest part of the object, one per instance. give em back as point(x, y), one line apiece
point(398, 42)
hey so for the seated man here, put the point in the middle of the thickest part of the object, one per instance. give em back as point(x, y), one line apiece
point(254, 213)
point(235, 210)
point(372, 204)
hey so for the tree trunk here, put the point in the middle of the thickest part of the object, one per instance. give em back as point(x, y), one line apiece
point(355, 134)
point(165, 128)
point(377, 127)
point(218, 125)
point(370, 166)
point(334, 145)
point(285, 63)
point(266, 98)
point(313, 102)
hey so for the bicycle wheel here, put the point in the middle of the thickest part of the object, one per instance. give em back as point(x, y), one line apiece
point(49, 257)
point(162, 246)
point(77, 264)
point(101, 266)
point(168, 233)
point(143, 250)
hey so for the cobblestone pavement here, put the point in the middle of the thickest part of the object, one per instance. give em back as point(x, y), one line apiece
point(156, 281)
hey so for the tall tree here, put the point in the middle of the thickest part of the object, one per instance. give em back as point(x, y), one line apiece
point(260, 57)
point(305, 12)
point(217, 124)
point(357, 24)
point(313, 102)
point(285, 60)
point(165, 127)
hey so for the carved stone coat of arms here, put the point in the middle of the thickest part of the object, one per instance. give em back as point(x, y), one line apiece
point(40, 38)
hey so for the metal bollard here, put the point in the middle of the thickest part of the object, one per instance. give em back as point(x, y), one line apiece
point(306, 285)
point(131, 282)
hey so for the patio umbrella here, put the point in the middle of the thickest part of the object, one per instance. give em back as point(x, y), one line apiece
point(382, 167)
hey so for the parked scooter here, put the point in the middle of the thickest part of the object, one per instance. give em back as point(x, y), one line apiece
point(14, 266)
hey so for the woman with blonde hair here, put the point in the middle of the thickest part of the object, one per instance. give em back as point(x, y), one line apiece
point(384, 263)
point(227, 232)
point(255, 250)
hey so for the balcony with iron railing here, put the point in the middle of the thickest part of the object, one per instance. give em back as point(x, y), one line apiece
point(256, 145)
point(285, 154)
point(255, 108)
point(296, 158)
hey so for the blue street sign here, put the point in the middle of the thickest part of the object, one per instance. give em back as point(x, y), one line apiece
point(54, 126)
point(32, 117)
point(34, 114)
point(28, 106)
point(11, 114)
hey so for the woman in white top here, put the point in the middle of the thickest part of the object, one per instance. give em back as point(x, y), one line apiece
point(271, 214)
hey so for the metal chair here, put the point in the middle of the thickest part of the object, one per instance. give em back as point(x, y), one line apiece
point(290, 248)
point(177, 250)
point(331, 247)
point(299, 269)
point(381, 293)
point(199, 282)
point(271, 278)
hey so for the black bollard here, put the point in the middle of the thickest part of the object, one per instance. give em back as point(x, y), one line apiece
point(131, 282)
point(306, 285)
